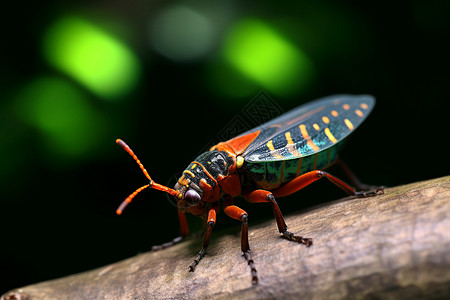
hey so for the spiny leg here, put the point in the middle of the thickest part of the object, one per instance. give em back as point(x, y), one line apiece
point(370, 190)
point(184, 230)
point(292, 187)
point(210, 224)
point(258, 196)
point(241, 215)
point(168, 244)
point(308, 178)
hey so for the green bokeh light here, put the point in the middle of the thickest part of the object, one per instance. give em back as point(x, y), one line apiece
point(91, 56)
point(62, 114)
point(182, 34)
point(266, 57)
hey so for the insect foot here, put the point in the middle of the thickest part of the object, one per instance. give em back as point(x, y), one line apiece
point(290, 236)
point(168, 244)
point(199, 257)
point(248, 257)
point(378, 191)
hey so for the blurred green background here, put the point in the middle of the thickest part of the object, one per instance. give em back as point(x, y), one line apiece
point(166, 77)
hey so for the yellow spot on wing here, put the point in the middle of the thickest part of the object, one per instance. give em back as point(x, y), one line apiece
point(307, 138)
point(193, 166)
point(349, 124)
point(325, 119)
point(272, 148)
point(334, 113)
point(316, 127)
point(330, 135)
point(364, 106)
point(359, 113)
point(288, 138)
point(346, 106)
point(291, 145)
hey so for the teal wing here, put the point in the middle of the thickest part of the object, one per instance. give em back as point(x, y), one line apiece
point(309, 128)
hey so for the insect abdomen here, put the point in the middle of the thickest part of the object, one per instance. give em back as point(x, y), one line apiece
point(271, 174)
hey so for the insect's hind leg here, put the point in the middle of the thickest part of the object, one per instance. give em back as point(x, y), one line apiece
point(355, 180)
point(258, 196)
point(308, 178)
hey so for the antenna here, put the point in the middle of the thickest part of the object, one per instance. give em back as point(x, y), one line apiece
point(152, 184)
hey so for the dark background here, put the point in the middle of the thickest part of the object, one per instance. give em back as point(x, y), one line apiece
point(62, 176)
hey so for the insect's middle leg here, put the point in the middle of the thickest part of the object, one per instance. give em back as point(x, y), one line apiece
point(258, 196)
point(210, 224)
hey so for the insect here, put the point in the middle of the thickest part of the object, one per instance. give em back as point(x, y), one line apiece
point(270, 161)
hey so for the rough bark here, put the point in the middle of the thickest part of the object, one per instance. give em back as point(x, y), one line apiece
point(392, 246)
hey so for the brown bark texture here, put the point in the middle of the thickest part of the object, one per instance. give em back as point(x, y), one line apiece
point(392, 246)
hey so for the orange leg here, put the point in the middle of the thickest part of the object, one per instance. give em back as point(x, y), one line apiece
point(292, 187)
point(184, 229)
point(258, 196)
point(211, 220)
point(308, 178)
point(241, 215)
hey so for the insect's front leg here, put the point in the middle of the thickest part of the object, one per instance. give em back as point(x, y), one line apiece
point(211, 221)
point(258, 196)
point(241, 215)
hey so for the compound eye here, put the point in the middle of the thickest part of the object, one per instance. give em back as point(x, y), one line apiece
point(192, 198)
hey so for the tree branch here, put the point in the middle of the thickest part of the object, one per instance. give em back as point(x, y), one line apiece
point(391, 246)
